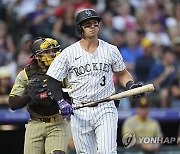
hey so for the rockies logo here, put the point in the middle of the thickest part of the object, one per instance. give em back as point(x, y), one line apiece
point(88, 13)
point(129, 140)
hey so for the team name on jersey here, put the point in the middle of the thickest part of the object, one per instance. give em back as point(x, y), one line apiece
point(89, 68)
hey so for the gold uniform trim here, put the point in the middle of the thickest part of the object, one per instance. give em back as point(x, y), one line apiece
point(25, 74)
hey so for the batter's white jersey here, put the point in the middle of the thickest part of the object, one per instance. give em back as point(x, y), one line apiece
point(89, 74)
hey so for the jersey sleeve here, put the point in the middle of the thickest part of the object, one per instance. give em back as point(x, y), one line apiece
point(20, 85)
point(118, 63)
point(59, 67)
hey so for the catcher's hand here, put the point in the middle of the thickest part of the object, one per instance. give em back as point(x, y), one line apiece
point(38, 90)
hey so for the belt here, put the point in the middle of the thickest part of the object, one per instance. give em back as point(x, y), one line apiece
point(45, 119)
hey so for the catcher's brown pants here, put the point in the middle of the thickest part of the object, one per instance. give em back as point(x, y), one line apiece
point(45, 137)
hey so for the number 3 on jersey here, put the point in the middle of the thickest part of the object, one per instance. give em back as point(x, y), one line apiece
point(103, 81)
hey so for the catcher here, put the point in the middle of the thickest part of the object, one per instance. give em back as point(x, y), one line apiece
point(47, 130)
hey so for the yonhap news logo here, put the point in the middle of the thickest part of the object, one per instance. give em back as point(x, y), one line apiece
point(129, 139)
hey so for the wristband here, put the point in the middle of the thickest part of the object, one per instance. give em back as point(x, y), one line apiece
point(129, 84)
point(60, 101)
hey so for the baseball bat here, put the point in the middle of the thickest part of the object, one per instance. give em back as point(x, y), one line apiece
point(127, 93)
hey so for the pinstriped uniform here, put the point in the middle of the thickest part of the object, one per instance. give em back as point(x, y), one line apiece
point(41, 138)
point(90, 76)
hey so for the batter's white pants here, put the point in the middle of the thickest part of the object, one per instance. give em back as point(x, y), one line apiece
point(94, 129)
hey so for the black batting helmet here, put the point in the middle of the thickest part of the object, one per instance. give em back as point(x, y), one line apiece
point(85, 15)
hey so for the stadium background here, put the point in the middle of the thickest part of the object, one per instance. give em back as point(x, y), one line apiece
point(132, 25)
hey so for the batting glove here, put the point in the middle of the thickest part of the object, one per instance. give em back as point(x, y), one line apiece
point(67, 117)
point(132, 85)
point(66, 108)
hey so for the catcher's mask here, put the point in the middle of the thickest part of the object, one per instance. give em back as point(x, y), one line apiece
point(84, 15)
point(45, 49)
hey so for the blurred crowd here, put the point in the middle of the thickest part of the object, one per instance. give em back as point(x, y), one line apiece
point(147, 33)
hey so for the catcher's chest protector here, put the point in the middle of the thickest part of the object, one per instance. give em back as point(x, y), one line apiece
point(47, 107)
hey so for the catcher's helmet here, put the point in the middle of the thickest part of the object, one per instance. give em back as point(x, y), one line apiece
point(42, 47)
point(85, 15)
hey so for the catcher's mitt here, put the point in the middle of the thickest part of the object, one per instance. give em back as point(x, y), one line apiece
point(38, 91)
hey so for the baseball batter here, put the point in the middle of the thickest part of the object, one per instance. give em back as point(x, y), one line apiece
point(89, 65)
point(46, 131)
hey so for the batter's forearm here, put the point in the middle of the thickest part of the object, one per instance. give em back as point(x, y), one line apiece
point(17, 102)
point(124, 76)
point(55, 88)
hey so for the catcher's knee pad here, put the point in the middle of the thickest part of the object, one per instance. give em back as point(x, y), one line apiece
point(57, 152)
